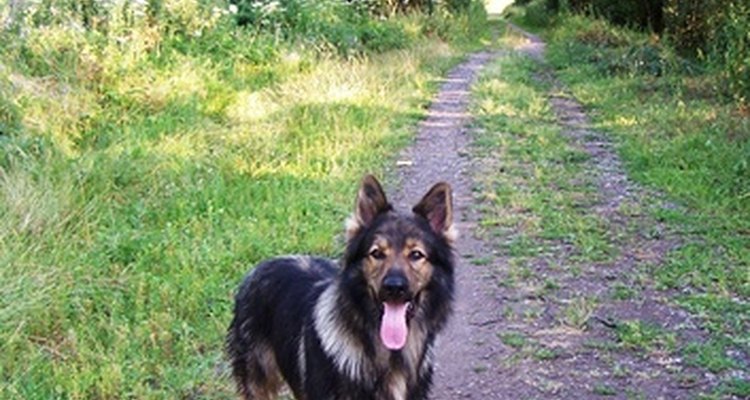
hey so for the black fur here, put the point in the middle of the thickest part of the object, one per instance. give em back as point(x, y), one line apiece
point(281, 309)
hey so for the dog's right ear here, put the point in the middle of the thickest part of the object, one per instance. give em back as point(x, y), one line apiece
point(370, 203)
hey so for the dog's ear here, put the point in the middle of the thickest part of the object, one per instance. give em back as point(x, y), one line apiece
point(371, 201)
point(437, 208)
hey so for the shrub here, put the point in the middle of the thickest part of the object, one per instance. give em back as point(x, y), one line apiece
point(689, 23)
point(538, 13)
point(730, 52)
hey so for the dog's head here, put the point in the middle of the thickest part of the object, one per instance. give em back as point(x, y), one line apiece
point(398, 255)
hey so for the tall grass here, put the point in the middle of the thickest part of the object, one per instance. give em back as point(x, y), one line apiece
point(143, 172)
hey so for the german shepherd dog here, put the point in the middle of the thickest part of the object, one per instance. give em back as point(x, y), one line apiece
point(361, 329)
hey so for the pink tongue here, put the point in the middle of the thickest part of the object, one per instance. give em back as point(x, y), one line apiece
point(393, 329)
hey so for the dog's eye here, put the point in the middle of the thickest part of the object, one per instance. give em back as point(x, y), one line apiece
point(416, 255)
point(377, 254)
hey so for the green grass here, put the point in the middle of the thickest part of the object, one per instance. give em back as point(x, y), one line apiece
point(677, 136)
point(537, 193)
point(604, 390)
point(138, 188)
point(623, 292)
point(640, 335)
point(674, 136)
point(711, 355)
point(513, 339)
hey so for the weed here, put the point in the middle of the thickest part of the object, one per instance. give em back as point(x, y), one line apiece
point(640, 335)
point(482, 260)
point(711, 355)
point(601, 345)
point(545, 353)
point(737, 387)
point(621, 291)
point(550, 285)
point(513, 339)
point(621, 371)
point(603, 389)
point(578, 312)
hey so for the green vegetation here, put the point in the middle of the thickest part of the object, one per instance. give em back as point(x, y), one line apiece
point(537, 197)
point(679, 134)
point(151, 152)
point(513, 339)
point(644, 336)
point(711, 33)
point(674, 135)
point(711, 355)
point(604, 390)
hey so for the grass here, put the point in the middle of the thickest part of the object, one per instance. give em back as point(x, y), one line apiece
point(711, 355)
point(133, 203)
point(674, 138)
point(513, 339)
point(639, 335)
point(677, 137)
point(537, 194)
point(604, 390)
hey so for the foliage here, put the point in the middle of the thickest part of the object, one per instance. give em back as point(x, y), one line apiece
point(633, 13)
point(713, 32)
point(730, 52)
point(538, 14)
point(692, 24)
point(615, 51)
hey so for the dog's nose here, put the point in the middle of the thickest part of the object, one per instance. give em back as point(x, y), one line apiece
point(395, 286)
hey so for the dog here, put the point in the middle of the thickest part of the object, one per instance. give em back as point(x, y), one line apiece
point(362, 328)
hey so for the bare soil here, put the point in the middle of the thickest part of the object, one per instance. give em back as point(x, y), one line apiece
point(488, 352)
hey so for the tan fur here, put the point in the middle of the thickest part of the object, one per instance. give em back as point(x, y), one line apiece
point(351, 227)
point(346, 351)
point(265, 365)
point(396, 383)
point(418, 272)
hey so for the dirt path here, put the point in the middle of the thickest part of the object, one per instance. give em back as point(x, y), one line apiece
point(534, 340)
point(441, 152)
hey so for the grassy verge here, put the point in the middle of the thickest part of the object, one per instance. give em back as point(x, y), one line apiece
point(135, 194)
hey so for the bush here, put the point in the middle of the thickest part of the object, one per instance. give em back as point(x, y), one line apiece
point(730, 53)
point(464, 27)
point(641, 14)
point(616, 51)
point(713, 31)
point(690, 24)
point(717, 31)
point(538, 14)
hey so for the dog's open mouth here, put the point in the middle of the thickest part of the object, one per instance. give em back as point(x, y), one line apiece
point(394, 329)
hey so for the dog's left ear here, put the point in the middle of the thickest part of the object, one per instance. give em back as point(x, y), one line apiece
point(437, 208)
point(370, 203)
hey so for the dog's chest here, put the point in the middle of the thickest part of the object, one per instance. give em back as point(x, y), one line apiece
point(395, 386)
